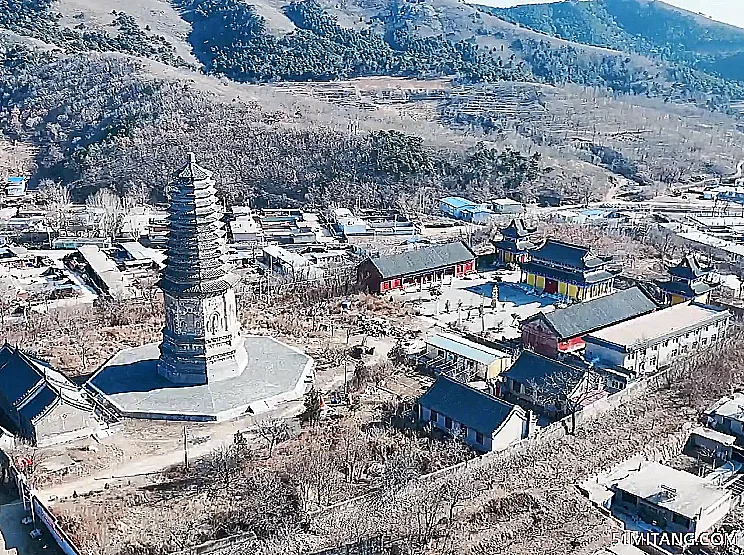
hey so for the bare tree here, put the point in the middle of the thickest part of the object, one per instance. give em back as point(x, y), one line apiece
point(225, 463)
point(8, 298)
point(272, 431)
point(110, 210)
point(566, 391)
point(58, 202)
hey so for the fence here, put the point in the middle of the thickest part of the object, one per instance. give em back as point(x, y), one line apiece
point(40, 513)
point(376, 546)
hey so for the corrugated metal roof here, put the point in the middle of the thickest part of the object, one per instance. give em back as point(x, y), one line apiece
point(465, 348)
point(475, 409)
point(458, 202)
point(586, 317)
point(420, 260)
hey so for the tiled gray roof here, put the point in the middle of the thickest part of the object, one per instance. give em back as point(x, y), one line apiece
point(532, 367)
point(568, 254)
point(420, 260)
point(477, 410)
point(688, 268)
point(18, 377)
point(24, 379)
point(193, 171)
point(589, 316)
point(684, 289)
point(514, 245)
point(580, 277)
point(45, 399)
point(517, 229)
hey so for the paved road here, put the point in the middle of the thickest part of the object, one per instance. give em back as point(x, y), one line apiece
point(14, 536)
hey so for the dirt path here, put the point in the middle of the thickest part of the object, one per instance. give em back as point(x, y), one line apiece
point(138, 470)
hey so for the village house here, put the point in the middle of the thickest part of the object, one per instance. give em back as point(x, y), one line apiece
point(558, 382)
point(466, 210)
point(480, 420)
point(664, 499)
point(515, 243)
point(563, 330)
point(101, 270)
point(15, 186)
point(727, 416)
point(653, 341)
point(688, 281)
point(506, 206)
point(289, 263)
point(712, 446)
point(38, 404)
point(422, 266)
point(568, 270)
point(462, 359)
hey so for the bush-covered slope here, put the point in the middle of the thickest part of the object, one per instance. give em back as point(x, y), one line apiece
point(231, 39)
point(37, 19)
point(648, 28)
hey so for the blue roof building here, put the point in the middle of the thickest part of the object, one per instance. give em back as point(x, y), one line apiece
point(466, 210)
point(15, 186)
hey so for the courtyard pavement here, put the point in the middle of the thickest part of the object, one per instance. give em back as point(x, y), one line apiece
point(513, 302)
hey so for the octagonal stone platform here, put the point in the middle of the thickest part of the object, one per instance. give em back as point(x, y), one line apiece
point(130, 383)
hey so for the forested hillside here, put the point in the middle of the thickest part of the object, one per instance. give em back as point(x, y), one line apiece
point(104, 122)
point(37, 19)
point(498, 109)
point(412, 39)
point(231, 39)
point(651, 29)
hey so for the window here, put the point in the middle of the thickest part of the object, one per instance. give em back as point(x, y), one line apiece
point(433, 416)
point(448, 422)
point(704, 341)
point(479, 438)
point(463, 430)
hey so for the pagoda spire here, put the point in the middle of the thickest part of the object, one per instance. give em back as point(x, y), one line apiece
point(196, 249)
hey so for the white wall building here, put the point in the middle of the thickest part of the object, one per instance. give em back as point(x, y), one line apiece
point(670, 500)
point(480, 420)
point(647, 343)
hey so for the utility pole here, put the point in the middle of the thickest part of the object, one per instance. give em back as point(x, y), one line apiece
point(185, 450)
point(346, 360)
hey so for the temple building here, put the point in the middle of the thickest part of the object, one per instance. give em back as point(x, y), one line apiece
point(688, 281)
point(40, 405)
point(568, 270)
point(515, 243)
point(204, 368)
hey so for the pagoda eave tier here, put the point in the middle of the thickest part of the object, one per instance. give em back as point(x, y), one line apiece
point(198, 288)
